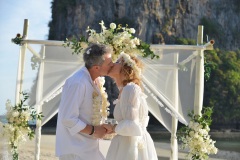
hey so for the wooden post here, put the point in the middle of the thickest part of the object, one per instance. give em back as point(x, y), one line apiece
point(199, 81)
point(21, 62)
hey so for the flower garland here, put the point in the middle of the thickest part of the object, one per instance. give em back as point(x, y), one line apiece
point(119, 38)
point(100, 103)
point(17, 128)
point(127, 60)
point(195, 136)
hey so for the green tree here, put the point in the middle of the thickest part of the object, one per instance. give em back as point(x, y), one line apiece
point(222, 90)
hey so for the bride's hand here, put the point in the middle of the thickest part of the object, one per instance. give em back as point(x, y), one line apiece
point(100, 131)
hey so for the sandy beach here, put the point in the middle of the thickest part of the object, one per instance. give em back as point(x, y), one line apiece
point(27, 150)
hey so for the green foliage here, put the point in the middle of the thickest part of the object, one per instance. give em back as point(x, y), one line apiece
point(147, 51)
point(75, 44)
point(18, 39)
point(222, 90)
point(204, 120)
point(185, 41)
point(182, 41)
point(208, 66)
point(212, 28)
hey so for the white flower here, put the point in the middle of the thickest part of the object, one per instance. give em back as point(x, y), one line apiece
point(115, 101)
point(190, 124)
point(132, 30)
point(84, 45)
point(119, 38)
point(102, 25)
point(15, 114)
point(191, 133)
point(100, 103)
point(88, 51)
point(25, 115)
point(112, 25)
point(207, 128)
point(16, 130)
point(8, 105)
point(136, 41)
point(214, 150)
point(198, 141)
point(101, 81)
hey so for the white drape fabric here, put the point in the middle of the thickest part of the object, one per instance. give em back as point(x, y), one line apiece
point(59, 64)
point(159, 81)
point(158, 78)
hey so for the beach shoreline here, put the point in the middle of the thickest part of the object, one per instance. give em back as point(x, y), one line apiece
point(47, 150)
point(161, 141)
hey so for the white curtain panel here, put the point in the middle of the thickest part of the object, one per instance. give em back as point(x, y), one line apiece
point(158, 78)
point(59, 64)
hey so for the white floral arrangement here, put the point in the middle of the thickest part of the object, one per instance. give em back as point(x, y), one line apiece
point(17, 128)
point(100, 103)
point(119, 38)
point(195, 136)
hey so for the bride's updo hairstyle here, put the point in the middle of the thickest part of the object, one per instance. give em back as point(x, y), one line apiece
point(131, 69)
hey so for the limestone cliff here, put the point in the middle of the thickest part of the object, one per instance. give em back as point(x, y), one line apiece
point(156, 21)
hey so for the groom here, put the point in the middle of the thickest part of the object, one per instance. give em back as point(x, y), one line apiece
point(76, 138)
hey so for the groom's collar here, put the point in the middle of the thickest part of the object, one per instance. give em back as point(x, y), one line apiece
point(87, 74)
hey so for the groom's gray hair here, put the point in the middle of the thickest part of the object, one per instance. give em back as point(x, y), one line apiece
point(94, 54)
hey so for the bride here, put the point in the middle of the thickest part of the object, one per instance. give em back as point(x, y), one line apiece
point(132, 141)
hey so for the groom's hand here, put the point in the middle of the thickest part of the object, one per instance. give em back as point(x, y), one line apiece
point(100, 131)
point(108, 127)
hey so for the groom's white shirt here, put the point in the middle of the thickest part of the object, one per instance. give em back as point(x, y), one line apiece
point(74, 113)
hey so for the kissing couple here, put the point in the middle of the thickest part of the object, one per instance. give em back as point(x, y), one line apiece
point(79, 124)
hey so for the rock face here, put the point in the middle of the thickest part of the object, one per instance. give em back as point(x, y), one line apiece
point(156, 21)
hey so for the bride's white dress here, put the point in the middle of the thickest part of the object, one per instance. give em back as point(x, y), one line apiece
point(132, 141)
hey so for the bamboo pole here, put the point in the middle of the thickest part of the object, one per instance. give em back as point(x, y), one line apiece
point(46, 42)
point(199, 81)
point(21, 63)
point(25, 29)
point(39, 96)
point(178, 47)
point(174, 143)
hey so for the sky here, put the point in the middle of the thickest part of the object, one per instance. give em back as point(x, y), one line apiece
point(12, 15)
